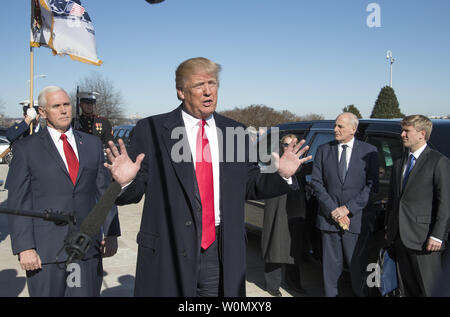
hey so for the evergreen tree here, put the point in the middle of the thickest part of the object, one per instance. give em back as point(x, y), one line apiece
point(352, 109)
point(387, 105)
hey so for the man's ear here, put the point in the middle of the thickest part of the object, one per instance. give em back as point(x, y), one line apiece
point(41, 112)
point(180, 94)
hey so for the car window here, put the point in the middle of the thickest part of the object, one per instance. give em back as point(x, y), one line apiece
point(121, 133)
point(317, 140)
point(271, 145)
point(389, 149)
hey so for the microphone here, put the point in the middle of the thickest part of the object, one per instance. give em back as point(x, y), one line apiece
point(78, 243)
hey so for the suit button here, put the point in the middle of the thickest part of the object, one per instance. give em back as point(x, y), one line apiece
point(188, 223)
point(184, 253)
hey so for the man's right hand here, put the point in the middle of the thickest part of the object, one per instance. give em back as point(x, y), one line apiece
point(122, 168)
point(30, 260)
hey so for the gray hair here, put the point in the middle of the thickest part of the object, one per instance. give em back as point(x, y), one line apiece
point(42, 99)
point(352, 118)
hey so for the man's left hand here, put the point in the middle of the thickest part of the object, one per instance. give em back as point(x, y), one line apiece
point(340, 212)
point(433, 245)
point(108, 246)
point(290, 161)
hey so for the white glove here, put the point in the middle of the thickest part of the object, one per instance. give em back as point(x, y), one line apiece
point(31, 113)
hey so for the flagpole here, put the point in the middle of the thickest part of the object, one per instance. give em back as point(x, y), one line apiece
point(31, 83)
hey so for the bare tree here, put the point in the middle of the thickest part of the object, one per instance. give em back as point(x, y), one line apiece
point(109, 102)
point(263, 116)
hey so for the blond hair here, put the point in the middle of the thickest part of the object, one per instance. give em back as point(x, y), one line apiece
point(194, 66)
point(292, 136)
point(419, 122)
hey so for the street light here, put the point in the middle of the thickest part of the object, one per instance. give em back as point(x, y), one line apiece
point(35, 77)
point(392, 60)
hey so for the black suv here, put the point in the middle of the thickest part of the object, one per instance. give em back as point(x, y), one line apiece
point(382, 133)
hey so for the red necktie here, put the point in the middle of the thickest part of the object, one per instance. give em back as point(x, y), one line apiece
point(71, 158)
point(204, 173)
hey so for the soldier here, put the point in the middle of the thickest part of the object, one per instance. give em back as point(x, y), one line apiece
point(91, 123)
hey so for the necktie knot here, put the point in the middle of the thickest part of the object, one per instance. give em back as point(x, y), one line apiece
point(63, 137)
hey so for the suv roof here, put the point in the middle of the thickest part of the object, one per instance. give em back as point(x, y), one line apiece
point(441, 129)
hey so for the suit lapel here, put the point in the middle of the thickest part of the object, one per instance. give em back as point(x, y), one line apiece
point(335, 158)
point(81, 153)
point(416, 168)
point(220, 125)
point(184, 169)
point(49, 146)
point(353, 158)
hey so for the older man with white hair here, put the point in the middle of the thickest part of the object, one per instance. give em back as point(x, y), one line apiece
point(61, 170)
point(344, 179)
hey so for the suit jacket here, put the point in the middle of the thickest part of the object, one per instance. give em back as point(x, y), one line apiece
point(38, 180)
point(357, 192)
point(422, 209)
point(170, 233)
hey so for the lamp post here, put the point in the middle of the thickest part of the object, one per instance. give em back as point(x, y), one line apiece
point(35, 77)
point(391, 60)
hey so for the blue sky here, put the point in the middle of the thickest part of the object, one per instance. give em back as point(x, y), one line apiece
point(302, 56)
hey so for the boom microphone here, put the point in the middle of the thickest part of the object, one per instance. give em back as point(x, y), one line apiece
point(77, 243)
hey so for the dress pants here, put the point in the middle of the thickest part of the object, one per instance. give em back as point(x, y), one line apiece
point(418, 270)
point(53, 280)
point(209, 279)
point(337, 248)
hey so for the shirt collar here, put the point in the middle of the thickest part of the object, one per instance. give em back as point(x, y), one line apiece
point(56, 135)
point(190, 121)
point(349, 143)
point(418, 151)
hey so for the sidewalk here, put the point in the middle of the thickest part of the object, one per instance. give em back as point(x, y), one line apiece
point(120, 269)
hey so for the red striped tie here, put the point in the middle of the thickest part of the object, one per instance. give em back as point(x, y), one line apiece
point(204, 173)
point(71, 158)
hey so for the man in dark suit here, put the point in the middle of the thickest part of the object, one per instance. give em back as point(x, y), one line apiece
point(344, 179)
point(61, 170)
point(418, 209)
point(196, 175)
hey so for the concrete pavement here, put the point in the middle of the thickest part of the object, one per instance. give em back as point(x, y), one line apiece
point(120, 269)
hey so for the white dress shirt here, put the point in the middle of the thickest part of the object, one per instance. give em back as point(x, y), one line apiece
point(56, 137)
point(348, 151)
point(192, 125)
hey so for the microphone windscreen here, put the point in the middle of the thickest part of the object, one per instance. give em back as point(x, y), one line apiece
point(92, 223)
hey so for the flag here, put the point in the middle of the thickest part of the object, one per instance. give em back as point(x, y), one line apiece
point(65, 27)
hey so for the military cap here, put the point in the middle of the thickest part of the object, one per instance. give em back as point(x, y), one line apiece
point(87, 96)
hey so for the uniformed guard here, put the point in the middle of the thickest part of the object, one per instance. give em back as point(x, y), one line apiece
point(91, 123)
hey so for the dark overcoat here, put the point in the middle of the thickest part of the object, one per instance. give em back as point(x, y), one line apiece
point(170, 233)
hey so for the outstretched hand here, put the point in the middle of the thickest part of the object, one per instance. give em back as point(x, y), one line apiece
point(122, 168)
point(290, 161)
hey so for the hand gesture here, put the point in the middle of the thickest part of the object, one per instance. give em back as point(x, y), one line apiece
point(122, 168)
point(290, 161)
